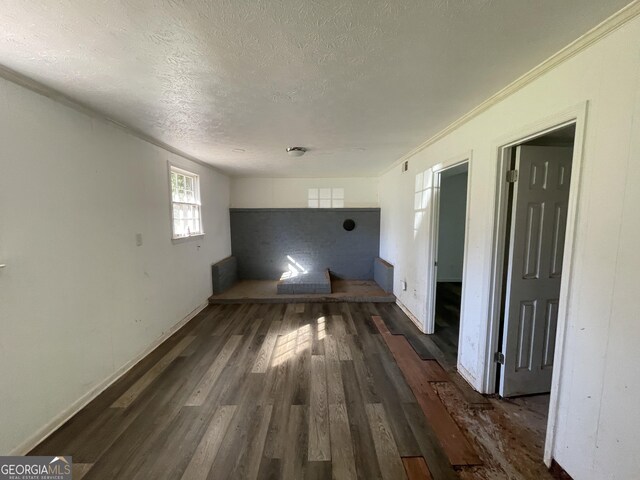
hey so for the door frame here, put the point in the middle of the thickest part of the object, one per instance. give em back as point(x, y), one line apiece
point(432, 250)
point(575, 115)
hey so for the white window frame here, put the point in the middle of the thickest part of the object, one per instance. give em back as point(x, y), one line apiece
point(422, 191)
point(195, 203)
point(325, 197)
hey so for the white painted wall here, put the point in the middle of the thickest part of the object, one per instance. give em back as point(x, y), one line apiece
point(78, 299)
point(293, 192)
point(598, 418)
point(451, 223)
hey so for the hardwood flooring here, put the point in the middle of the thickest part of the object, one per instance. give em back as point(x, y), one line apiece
point(508, 435)
point(286, 391)
point(447, 331)
point(419, 374)
point(301, 391)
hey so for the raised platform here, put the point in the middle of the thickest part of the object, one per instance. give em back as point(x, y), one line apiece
point(265, 291)
point(311, 282)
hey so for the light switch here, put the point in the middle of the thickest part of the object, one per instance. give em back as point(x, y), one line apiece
point(138, 239)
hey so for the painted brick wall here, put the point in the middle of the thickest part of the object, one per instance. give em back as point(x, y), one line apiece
point(262, 240)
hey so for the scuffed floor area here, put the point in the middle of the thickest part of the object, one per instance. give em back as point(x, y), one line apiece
point(506, 434)
point(509, 438)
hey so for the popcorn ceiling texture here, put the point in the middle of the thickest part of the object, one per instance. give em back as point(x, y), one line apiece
point(357, 82)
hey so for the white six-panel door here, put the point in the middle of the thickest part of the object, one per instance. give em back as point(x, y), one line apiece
point(538, 221)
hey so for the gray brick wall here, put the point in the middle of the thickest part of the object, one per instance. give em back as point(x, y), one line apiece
point(224, 274)
point(383, 274)
point(262, 239)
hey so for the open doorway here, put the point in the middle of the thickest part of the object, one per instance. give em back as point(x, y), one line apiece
point(537, 198)
point(539, 179)
point(450, 219)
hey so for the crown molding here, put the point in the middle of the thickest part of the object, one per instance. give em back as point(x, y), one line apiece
point(598, 32)
point(59, 97)
point(601, 30)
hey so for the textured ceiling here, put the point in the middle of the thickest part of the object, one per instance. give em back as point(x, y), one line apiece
point(234, 82)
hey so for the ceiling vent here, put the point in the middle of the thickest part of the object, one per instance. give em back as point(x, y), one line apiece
point(296, 151)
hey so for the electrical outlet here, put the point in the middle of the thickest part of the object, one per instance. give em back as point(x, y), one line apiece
point(138, 239)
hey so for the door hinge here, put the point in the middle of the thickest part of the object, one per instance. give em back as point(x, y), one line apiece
point(512, 176)
point(498, 357)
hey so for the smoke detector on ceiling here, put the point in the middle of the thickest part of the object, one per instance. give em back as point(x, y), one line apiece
point(296, 151)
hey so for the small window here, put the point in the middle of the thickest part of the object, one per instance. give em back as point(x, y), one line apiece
point(186, 212)
point(421, 199)
point(326, 198)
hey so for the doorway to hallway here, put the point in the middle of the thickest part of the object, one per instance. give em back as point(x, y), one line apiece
point(451, 230)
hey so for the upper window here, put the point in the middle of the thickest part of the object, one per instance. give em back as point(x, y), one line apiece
point(421, 199)
point(185, 203)
point(326, 198)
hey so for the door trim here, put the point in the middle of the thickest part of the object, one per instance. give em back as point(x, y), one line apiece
point(432, 245)
point(575, 115)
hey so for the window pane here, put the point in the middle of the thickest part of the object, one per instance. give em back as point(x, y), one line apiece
point(338, 193)
point(417, 203)
point(425, 199)
point(313, 193)
point(418, 182)
point(186, 214)
point(325, 203)
point(313, 203)
point(174, 186)
point(325, 193)
point(417, 220)
point(338, 203)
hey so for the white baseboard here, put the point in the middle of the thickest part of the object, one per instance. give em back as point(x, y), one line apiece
point(83, 401)
point(411, 316)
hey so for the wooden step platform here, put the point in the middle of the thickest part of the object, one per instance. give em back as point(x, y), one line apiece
point(310, 282)
point(265, 291)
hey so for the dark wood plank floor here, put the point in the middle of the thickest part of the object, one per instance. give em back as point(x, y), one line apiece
point(259, 391)
point(443, 344)
point(419, 375)
point(447, 331)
